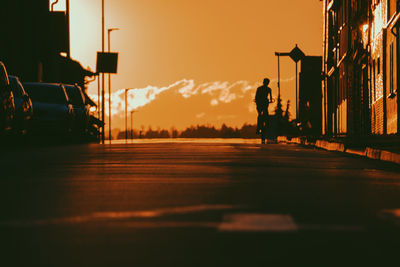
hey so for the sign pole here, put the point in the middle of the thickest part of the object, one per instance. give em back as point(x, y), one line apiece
point(297, 98)
point(102, 74)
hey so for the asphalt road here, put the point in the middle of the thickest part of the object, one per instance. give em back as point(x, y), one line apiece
point(196, 204)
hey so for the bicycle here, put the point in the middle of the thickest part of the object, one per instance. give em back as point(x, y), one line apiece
point(262, 119)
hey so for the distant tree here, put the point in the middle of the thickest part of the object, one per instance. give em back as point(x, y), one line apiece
point(199, 131)
point(248, 131)
point(163, 134)
point(287, 113)
point(174, 132)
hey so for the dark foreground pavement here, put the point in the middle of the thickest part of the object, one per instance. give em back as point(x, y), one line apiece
point(197, 204)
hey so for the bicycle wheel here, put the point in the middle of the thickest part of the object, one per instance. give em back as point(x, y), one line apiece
point(263, 130)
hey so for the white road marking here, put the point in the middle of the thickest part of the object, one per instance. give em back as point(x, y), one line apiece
point(253, 222)
point(121, 215)
point(234, 222)
point(391, 215)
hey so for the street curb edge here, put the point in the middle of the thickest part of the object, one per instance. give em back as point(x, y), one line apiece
point(368, 152)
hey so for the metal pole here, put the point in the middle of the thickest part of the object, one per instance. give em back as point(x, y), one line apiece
point(132, 123)
point(98, 97)
point(279, 78)
point(102, 75)
point(109, 83)
point(126, 114)
point(297, 99)
point(109, 91)
point(68, 30)
point(325, 131)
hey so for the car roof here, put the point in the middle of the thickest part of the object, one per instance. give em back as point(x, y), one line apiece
point(43, 84)
point(13, 77)
point(72, 86)
point(28, 86)
point(72, 90)
point(3, 73)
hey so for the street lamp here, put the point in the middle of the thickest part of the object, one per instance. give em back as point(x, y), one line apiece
point(109, 84)
point(279, 104)
point(296, 55)
point(126, 112)
point(102, 74)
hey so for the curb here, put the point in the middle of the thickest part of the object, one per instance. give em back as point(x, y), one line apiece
point(330, 146)
point(368, 152)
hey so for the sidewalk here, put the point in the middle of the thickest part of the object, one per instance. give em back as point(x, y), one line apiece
point(385, 148)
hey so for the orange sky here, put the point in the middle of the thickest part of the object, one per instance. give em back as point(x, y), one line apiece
point(200, 61)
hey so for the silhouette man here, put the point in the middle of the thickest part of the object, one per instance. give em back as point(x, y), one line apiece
point(262, 99)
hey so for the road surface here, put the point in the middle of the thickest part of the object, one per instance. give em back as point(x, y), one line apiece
point(196, 203)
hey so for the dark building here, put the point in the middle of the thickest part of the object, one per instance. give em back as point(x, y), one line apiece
point(310, 96)
point(35, 43)
point(361, 44)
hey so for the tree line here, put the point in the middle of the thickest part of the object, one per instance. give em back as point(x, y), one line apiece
point(199, 131)
point(278, 124)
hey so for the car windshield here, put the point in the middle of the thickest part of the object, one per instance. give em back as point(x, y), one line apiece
point(74, 94)
point(46, 93)
point(16, 87)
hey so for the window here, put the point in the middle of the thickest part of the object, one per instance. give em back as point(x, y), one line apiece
point(378, 65)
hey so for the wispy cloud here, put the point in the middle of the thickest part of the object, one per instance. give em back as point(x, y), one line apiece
point(219, 91)
point(200, 115)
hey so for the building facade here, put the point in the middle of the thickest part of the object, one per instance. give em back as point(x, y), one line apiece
point(310, 112)
point(360, 67)
point(35, 43)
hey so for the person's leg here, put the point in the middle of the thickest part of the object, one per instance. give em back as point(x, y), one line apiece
point(265, 117)
point(259, 119)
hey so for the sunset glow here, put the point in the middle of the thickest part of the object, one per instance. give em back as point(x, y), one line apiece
point(212, 54)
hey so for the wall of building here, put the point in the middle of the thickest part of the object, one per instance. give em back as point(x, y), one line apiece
point(32, 39)
point(391, 82)
point(310, 97)
point(377, 59)
point(364, 86)
point(377, 86)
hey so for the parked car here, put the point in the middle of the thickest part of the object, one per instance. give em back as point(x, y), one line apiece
point(23, 106)
point(81, 108)
point(52, 109)
point(7, 108)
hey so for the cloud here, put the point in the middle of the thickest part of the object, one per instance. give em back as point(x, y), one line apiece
point(222, 92)
point(139, 97)
point(225, 117)
point(200, 115)
point(214, 102)
point(290, 79)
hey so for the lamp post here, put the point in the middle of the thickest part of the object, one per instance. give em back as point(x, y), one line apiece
point(102, 75)
point(296, 55)
point(126, 112)
point(109, 85)
point(99, 96)
point(279, 102)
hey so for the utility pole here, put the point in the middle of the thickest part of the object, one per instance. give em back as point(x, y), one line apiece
point(126, 112)
point(68, 29)
point(102, 74)
point(297, 92)
point(296, 55)
point(109, 85)
point(279, 102)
